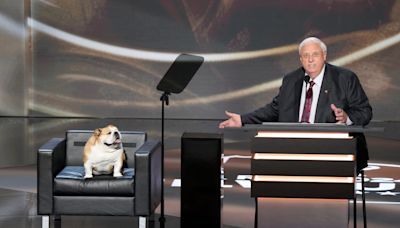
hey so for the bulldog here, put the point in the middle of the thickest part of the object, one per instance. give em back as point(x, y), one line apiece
point(103, 152)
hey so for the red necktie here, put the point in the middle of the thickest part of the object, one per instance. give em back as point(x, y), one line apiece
point(307, 104)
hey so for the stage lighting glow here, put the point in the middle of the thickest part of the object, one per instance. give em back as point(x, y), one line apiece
point(11, 27)
point(304, 157)
point(313, 179)
point(208, 57)
point(151, 55)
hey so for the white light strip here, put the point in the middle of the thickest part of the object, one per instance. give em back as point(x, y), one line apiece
point(214, 57)
point(304, 157)
point(291, 134)
point(11, 27)
point(312, 199)
point(384, 164)
point(280, 199)
point(98, 46)
point(367, 51)
point(378, 202)
point(312, 179)
point(152, 55)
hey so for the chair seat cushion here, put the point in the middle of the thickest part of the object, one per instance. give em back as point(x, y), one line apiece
point(71, 182)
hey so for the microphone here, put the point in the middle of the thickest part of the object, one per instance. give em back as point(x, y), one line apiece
point(307, 79)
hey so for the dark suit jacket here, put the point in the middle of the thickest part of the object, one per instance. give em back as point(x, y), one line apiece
point(339, 86)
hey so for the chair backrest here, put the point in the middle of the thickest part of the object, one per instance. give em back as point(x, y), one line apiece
point(76, 140)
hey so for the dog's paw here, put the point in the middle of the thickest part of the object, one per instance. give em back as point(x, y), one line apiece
point(117, 175)
point(88, 176)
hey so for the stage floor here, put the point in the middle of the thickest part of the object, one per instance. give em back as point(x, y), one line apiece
point(18, 174)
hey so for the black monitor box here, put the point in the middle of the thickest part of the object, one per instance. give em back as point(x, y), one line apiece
point(201, 179)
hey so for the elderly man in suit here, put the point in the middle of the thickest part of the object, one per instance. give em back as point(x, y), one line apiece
point(317, 92)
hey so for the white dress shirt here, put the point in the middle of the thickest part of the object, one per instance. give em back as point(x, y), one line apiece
point(316, 89)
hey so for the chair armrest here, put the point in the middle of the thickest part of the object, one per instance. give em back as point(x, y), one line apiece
point(50, 161)
point(147, 178)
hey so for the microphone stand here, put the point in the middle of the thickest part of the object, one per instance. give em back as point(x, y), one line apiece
point(175, 80)
point(164, 100)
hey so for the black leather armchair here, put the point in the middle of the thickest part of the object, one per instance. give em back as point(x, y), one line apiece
point(62, 190)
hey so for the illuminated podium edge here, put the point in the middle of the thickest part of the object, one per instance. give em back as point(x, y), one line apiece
point(298, 160)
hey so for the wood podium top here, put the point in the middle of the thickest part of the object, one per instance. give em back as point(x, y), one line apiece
point(304, 127)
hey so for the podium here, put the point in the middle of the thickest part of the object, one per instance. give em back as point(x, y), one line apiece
point(303, 175)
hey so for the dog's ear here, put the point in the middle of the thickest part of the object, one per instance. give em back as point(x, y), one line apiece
point(97, 132)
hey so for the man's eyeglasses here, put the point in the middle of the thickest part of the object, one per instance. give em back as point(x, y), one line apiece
point(312, 55)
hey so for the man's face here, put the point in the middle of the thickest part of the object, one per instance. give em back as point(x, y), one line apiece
point(312, 57)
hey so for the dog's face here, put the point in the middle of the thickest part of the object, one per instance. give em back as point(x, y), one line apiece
point(108, 136)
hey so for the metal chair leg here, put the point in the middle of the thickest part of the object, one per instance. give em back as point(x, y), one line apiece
point(142, 222)
point(363, 199)
point(355, 211)
point(45, 221)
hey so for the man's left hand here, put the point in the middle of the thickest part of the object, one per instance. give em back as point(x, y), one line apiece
point(341, 116)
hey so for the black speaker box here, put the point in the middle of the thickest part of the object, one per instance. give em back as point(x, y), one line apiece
point(201, 179)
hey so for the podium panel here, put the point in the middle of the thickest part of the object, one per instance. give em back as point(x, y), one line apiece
point(303, 179)
point(314, 168)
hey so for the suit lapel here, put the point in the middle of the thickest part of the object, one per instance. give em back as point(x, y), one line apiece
point(323, 99)
point(297, 95)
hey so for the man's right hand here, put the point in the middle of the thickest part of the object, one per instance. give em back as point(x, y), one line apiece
point(234, 120)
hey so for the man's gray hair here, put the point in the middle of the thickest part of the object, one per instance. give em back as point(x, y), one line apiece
point(313, 40)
